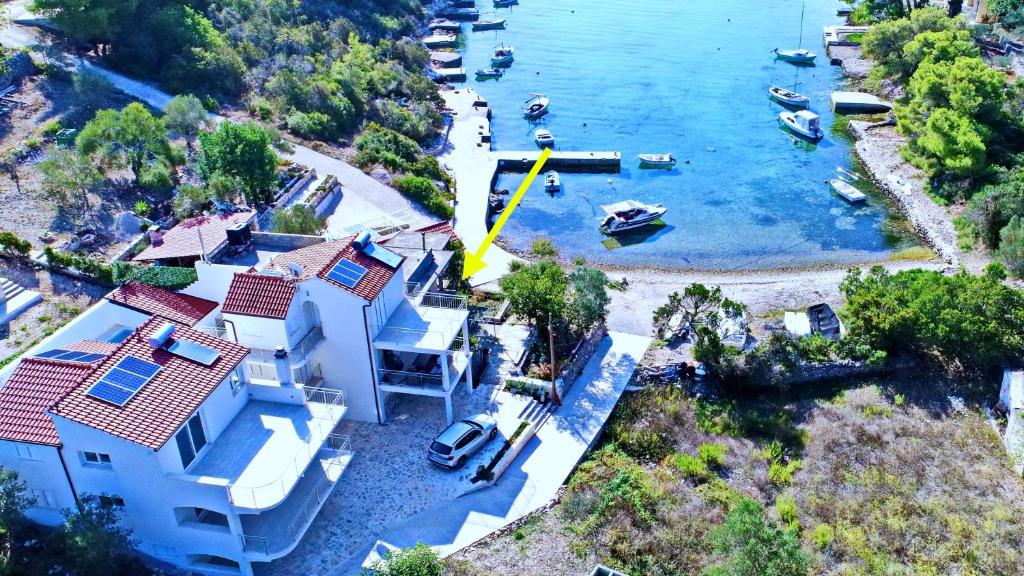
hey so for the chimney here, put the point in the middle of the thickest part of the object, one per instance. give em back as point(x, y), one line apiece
point(283, 366)
point(423, 240)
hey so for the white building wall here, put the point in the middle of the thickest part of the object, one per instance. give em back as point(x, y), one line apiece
point(40, 468)
point(256, 332)
point(153, 486)
point(213, 280)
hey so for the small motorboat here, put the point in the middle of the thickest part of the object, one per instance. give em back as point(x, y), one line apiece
point(798, 56)
point(544, 138)
point(629, 215)
point(788, 97)
point(847, 190)
point(536, 106)
point(656, 160)
point(804, 123)
point(489, 73)
point(552, 182)
point(489, 24)
point(503, 56)
point(505, 3)
point(460, 14)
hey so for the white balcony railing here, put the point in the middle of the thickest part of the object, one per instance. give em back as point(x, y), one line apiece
point(341, 447)
point(270, 493)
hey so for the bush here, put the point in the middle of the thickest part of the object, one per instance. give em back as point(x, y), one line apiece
point(780, 474)
point(815, 348)
point(142, 208)
point(712, 454)
point(420, 560)
point(786, 507)
point(822, 536)
point(543, 247)
point(169, 277)
point(299, 219)
point(10, 242)
point(103, 273)
point(379, 145)
point(157, 177)
point(423, 191)
point(691, 466)
point(1011, 246)
point(641, 444)
point(749, 545)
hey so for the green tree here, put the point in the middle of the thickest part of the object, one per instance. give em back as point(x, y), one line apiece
point(749, 545)
point(190, 201)
point(587, 296)
point(94, 21)
point(186, 117)
point(92, 91)
point(991, 209)
point(299, 219)
point(68, 177)
point(240, 151)
point(1011, 246)
point(537, 292)
point(378, 145)
point(420, 560)
point(94, 542)
point(131, 136)
point(886, 42)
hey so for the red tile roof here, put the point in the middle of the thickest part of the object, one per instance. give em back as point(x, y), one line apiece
point(93, 347)
point(317, 260)
point(153, 416)
point(182, 241)
point(181, 308)
point(444, 227)
point(32, 388)
point(254, 294)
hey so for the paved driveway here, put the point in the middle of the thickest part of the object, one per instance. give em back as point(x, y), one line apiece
point(389, 477)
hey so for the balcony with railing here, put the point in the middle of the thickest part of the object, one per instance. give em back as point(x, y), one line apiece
point(435, 382)
point(263, 453)
point(262, 363)
point(430, 322)
point(276, 532)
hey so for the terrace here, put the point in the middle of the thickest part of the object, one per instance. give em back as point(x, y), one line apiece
point(265, 451)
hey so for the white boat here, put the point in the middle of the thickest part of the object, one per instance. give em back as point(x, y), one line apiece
point(788, 97)
point(544, 138)
point(489, 24)
point(536, 106)
point(503, 56)
point(804, 123)
point(552, 182)
point(657, 160)
point(629, 215)
point(489, 73)
point(504, 3)
point(798, 56)
point(847, 190)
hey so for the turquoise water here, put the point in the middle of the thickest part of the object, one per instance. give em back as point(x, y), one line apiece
point(687, 77)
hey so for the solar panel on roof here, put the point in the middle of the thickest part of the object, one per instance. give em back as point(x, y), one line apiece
point(124, 380)
point(382, 254)
point(70, 356)
point(347, 273)
point(192, 351)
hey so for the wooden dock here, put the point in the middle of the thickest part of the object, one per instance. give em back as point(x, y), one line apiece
point(565, 160)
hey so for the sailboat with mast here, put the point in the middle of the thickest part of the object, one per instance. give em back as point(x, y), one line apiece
point(800, 55)
point(787, 95)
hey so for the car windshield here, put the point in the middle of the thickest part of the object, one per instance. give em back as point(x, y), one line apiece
point(441, 448)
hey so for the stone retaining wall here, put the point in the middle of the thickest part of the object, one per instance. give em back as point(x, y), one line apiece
point(15, 68)
point(580, 356)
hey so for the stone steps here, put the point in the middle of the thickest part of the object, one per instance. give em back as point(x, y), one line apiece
point(15, 300)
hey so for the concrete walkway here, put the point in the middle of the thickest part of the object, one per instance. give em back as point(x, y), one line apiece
point(538, 472)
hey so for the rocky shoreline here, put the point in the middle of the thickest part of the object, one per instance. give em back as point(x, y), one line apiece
point(878, 147)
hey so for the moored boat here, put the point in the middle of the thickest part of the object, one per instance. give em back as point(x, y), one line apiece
point(656, 160)
point(847, 190)
point(489, 73)
point(804, 123)
point(444, 24)
point(503, 56)
point(552, 182)
point(788, 97)
point(544, 138)
point(461, 14)
point(489, 24)
point(629, 215)
point(798, 56)
point(504, 3)
point(536, 106)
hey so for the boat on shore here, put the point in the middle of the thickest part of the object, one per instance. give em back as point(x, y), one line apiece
point(552, 182)
point(445, 25)
point(544, 138)
point(485, 73)
point(489, 24)
point(536, 106)
point(803, 123)
point(503, 56)
point(629, 215)
point(847, 190)
point(788, 97)
point(656, 160)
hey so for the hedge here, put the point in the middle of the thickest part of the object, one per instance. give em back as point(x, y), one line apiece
point(169, 277)
point(9, 242)
point(90, 266)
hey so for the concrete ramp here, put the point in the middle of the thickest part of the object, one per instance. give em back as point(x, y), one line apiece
point(14, 300)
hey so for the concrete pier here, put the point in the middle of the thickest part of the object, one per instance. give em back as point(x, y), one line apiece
point(441, 41)
point(447, 59)
point(858, 103)
point(450, 74)
point(564, 160)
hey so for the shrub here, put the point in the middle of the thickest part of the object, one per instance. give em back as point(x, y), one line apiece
point(379, 145)
point(157, 177)
point(299, 219)
point(423, 191)
point(691, 466)
point(822, 536)
point(786, 507)
point(142, 208)
point(749, 545)
point(543, 247)
point(420, 560)
point(169, 277)
point(712, 454)
point(780, 474)
point(641, 444)
point(815, 348)
point(10, 242)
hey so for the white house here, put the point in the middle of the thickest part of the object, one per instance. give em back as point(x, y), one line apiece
point(208, 418)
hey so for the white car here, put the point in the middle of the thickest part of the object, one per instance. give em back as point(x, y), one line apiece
point(461, 440)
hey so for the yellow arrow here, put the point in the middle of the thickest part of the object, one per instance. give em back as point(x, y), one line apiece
point(475, 260)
